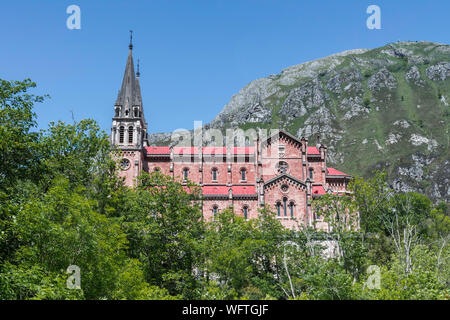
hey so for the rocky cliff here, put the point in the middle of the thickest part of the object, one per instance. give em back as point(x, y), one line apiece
point(385, 108)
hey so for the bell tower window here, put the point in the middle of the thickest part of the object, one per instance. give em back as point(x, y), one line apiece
point(121, 134)
point(130, 134)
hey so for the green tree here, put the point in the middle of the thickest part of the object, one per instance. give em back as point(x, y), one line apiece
point(227, 246)
point(420, 283)
point(19, 154)
point(81, 153)
point(405, 223)
point(61, 228)
point(371, 197)
point(163, 223)
point(341, 214)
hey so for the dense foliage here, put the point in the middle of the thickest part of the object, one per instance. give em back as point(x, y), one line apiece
point(62, 204)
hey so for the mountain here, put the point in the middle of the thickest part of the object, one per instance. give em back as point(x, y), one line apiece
point(384, 108)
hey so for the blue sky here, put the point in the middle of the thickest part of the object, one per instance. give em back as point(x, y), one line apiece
point(194, 54)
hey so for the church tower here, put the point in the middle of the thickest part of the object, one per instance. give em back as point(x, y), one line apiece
point(129, 128)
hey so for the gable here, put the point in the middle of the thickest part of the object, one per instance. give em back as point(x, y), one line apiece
point(281, 135)
point(286, 179)
point(281, 144)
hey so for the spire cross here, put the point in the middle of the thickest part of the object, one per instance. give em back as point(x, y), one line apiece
point(131, 40)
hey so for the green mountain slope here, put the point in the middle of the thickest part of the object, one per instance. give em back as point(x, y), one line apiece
point(382, 108)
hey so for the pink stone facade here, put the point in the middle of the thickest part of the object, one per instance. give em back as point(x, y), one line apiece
point(281, 172)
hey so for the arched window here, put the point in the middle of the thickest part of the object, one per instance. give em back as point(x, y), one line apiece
point(278, 208)
point(121, 134)
point(245, 209)
point(214, 174)
point(117, 112)
point(215, 210)
point(136, 112)
point(285, 206)
point(243, 174)
point(130, 134)
point(127, 112)
point(311, 173)
point(185, 173)
point(291, 207)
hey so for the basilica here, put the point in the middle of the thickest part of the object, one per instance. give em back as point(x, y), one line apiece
point(279, 170)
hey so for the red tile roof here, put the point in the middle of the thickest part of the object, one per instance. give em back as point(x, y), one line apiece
point(244, 190)
point(157, 150)
point(215, 190)
point(334, 172)
point(312, 150)
point(318, 190)
point(185, 150)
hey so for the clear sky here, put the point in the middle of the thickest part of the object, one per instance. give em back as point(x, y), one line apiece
point(195, 54)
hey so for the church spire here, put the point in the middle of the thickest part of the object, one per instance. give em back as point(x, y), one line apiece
point(129, 96)
point(126, 93)
point(128, 108)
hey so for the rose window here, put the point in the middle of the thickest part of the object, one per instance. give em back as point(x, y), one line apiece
point(124, 164)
